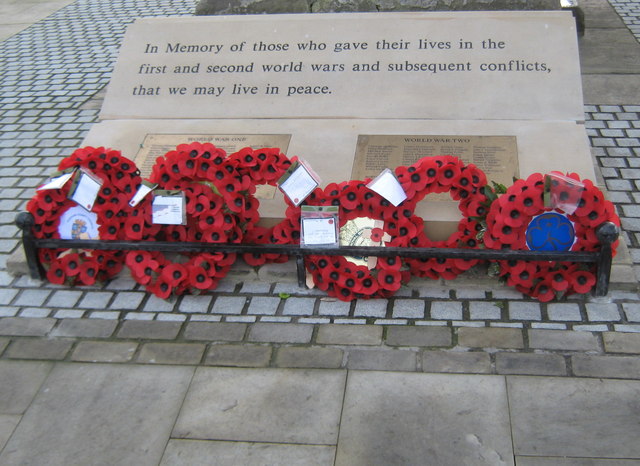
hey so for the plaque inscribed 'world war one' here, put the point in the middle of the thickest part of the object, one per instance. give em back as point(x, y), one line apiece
point(157, 145)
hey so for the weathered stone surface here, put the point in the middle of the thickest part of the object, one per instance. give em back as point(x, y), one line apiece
point(39, 349)
point(171, 353)
point(19, 382)
point(104, 351)
point(468, 362)
point(338, 334)
point(617, 342)
point(418, 336)
point(96, 413)
point(192, 452)
point(486, 337)
point(94, 328)
point(562, 461)
point(530, 364)
point(585, 418)
point(313, 357)
point(425, 419)
point(382, 360)
point(621, 367)
point(239, 355)
point(263, 405)
point(4, 342)
point(215, 331)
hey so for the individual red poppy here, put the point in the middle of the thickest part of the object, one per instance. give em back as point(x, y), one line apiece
point(560, 280)
point(199, 278)
point(88, 272)
point(389, 279)
point(134, 228)
point(582, 281)
point(543, 292)
point(56, 273)
point(71, 264)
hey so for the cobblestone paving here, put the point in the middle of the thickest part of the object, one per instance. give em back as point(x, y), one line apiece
point(51, 70)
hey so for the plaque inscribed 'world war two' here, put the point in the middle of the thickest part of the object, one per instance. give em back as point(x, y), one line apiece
point(497, 156)
point(157, 145)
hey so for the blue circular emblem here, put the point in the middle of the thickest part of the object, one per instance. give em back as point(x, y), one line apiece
point(550, 231)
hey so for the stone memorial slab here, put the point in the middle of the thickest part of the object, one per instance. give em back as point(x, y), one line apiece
point(391, 65)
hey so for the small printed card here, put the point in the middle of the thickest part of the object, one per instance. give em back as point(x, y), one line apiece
point(319, 226)
point(387, 185)
point(169, 208)
point(85, 189)
point(58, 180)
point(145, 188)
point(77, 223)
point(298, 182)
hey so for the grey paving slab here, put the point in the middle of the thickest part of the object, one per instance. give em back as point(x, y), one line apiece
point(215, 331)
point(561, 340)
point(239, 355)
point(473, 362)
point(382, 359)
point(487, 337)
point(620, 367)
point(85, 328)
point(280, 333)
point(316, 357)
point(418, 336)
point(403, 418)
point(38, 348)
point(100, 414)
point(171, 353)
point(8, 423)
point(26, 327)
point(201, 453)
point(152, 330)
point(555, 416)
point(339, 334)
point(530, 363)
point(19, 382)
point(616, 342)
point(104, 351)
point(263, 405)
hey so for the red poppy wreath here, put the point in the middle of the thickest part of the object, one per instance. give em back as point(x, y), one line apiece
point(218, 207)
point(520, 220)
point(465, 184)
point(265, 167)
point(349, 278)
point(106, 220)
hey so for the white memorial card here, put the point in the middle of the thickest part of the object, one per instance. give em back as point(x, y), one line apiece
point(168, 208)
point(298, 182)
point(86, 187)
point(144, 189)
point(57, 182)
point(319, 226)
point(387, 185)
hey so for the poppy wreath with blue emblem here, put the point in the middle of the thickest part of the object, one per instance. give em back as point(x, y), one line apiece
point(520, 220)
point(120, 178)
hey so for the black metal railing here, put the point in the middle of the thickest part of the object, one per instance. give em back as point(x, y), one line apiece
point(607, 234)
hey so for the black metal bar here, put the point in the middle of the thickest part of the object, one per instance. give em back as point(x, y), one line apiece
point(302, 282)
point(607, 234)
point(26, 222)
point(415, 253)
